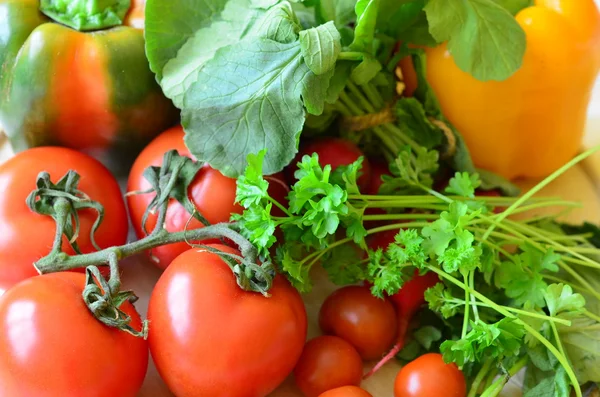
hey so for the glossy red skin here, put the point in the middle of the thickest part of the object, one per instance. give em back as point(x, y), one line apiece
point(327, 362)
point(51, 345)
point(366, 322)
point(26, 236)
point(378, 169)
point(429, 376)
point(212, 193)
point(210, 338)
point(347, 391)
point(335, 152)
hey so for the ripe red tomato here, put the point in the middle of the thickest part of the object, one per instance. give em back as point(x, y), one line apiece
point(335, 152)
point(327, 362)
point(430, 376)
point(378, 169)
point(356, 316)
point(346, 391)
point(210, 338)
point(51, 345)
point(212, 193)
point(26, 236)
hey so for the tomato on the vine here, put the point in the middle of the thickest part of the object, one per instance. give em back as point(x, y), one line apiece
point(430, 376)
point(26, 236)
point(212, 193)
point(52, 345)
point(208, 337)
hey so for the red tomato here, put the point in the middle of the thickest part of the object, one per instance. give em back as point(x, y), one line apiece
point(327, 362)
point(430, 376)
point(335, 152)
point(346, 391)
point(210, 338)
point(212, 193)
point(356, 316)
point(26, 236)
point(51, 345)
point(378, 169)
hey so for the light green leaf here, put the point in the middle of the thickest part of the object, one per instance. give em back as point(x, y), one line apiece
point(366, 70)
point(484, 38)
point(341, 12)
point(165, 33)
point(560, 299)
point(248, 98)
point(237, 21)
point(320, 47)
point(366, 20)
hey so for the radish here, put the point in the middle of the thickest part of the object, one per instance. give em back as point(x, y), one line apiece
point(407, 301)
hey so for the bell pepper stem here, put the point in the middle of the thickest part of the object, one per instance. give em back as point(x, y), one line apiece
point(86, 15)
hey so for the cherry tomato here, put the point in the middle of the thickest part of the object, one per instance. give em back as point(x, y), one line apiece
point(210, 338)
point(335, 152)
point(327, 362)
point(212, 193)
point(346, 391)
point(430, 376)
point(368, 323)
point(26, 236)
point(51, 345)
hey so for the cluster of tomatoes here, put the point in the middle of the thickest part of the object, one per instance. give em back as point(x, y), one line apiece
point(206, 335)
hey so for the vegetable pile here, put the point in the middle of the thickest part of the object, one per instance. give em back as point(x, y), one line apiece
point(316, 138)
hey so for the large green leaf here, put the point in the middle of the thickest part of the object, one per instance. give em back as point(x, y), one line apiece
point(321, 47)
point(251, 96)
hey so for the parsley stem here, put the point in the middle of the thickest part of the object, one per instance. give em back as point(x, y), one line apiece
point(351, 56)
point(560, 357)
point(487, 365)
point(281, 207)
point(399, 217)
point(557, 339)
point(541, 185)
point(473, 301)
point(592, 315)
point(496, 388)
point(465, 327)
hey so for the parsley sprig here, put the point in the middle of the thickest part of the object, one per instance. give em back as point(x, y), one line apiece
point(514, 284)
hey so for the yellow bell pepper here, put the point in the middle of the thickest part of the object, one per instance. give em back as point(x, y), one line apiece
point(533, 122)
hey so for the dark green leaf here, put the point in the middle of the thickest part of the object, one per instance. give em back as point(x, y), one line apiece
point(413, 121)
point(366, 19)
point(366, 70)
point(341, 12)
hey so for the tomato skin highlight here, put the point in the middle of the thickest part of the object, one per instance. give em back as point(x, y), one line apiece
point(327, 362)
point(209, 338)
point(366, 322)
point(212, 193)
point(19, 225)
point(346, 391)
point(430, 376)
point(335, 152)
point(51, 345)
